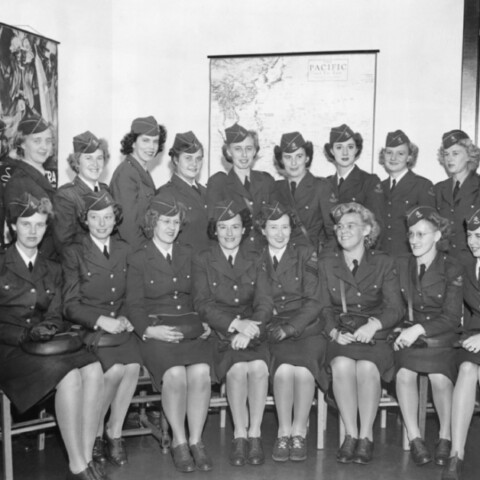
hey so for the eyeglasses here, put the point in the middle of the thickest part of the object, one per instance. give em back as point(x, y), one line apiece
point(340, 227)
point(419, 235)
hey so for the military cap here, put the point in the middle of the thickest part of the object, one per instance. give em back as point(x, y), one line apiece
point(145, 126)
point(86, 142)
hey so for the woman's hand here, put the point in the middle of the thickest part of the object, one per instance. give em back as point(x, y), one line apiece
point(239, 341)
point(110, 325)
point(472, 344)
point(249, 328)
point(344, 338)
point(126, 322)
point(408, 336)
point(164, 333)
point(366, 332)
point(207, 331)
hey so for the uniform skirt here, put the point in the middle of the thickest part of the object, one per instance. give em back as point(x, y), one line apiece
point(124, 354)
point(381, 354)
point(27, 379)
point(428, 360)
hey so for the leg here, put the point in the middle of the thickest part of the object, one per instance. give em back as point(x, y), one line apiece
point(304, 393)
point(257, 395)
point(112, 378)
point(369, 389)
point(442, 390)
point(237, 398)
point(283, 391)
point(174, 401)
point(407, 394)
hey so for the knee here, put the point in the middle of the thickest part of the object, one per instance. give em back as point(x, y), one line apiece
point(406, 378)
point(258, 370)
point(199, 374)
point(283, 374)
point(115, 371)
point(441, 382)
point(342, 367)
point(237, 372)
point(92, 373)
point(468, 369)
point(71, 381)
point(175, 378)
point(367, 370)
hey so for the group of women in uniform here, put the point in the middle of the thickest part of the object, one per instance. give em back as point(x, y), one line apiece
point(341, 282)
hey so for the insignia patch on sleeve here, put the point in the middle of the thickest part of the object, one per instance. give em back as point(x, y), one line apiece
point(458, 282)
point(333, 198)
point(378, 188)
point(431, 192)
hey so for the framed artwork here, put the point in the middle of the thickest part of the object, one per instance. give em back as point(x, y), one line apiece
point(28, 84)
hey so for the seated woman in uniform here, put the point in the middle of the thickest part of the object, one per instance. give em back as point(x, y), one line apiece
point(402, 190)
point(187, 159)
point(361, 302)
point(87, 160)
point(468, 356)
point(31, 310)
point(95, 277)
point(431, 285)
point(297, 345)
point(231, 293)
point(249, 188)
point(175, 346)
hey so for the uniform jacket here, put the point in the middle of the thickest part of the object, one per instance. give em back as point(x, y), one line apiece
point(222, 186)
point(313, 202)
point(194, 228)
point(133, 188)
point(471, 295)
point(221, 292)
point(411, 191)
point(374, 290)
point(28, 298)
point(154, 286)
point(68, 204)
point(94, 285)
point(437, 300)
point(294, 287)
point(457, 212)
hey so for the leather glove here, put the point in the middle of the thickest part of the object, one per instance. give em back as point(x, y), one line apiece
point(41, 332)
point(281, 332)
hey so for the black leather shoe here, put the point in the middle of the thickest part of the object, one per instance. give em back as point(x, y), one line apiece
point(201, 457)
point(419, 452)
point(96, 471)
point(98, 453)
point(298, 448)
point(347, 450)
point(442, 451)
point(115, 450)
point(364, 451)
point(238, 454)
point(255, 455)
point(83, 475)
point(453, 469)
point(182, 459)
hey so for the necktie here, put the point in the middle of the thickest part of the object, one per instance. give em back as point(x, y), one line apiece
point(355, 267)
point(230, 260)
point(196, 189)
point(275, 262)
point(394, 184)
point(456, 190)
point(247, 184)
point(340, 182)
point(30, 266)
point(478, 276)
point(423, 267)
point(105, 252)
point(293, 188)
point(95, 189)
point(169, 258)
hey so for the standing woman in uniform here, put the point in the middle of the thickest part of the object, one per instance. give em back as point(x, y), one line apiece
point(31, 310)
point(247, 187)
point(87, 160)
point(309, 198)
point(175, 346)
point(187, 159)
point(34, 144)
point(431, 284)
point(132, 185)
point(297, 346)
point(350, 183)
point(456, 198)
point(363, 283)
point(231, 293)
point(95, 278)
point(402, 190)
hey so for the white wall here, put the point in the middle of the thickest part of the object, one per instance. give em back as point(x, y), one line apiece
point(125, 58)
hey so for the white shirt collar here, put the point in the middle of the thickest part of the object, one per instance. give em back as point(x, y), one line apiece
point(100, 244)
point(162, 250)
point(278, 254)
point(25, 257)
point(190, 184)
point(229, 253)
point(477, 266)
point(398, 178)
point(345, 175)
point(89, 184)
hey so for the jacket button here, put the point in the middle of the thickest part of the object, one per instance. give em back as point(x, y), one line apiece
point(359, 294)
point(112, 303)
point(111, 275)
point(235, 287)
point(174, 279)
point(236, 300)
point(151, 281)
point(32, 307)
point(283, 297)
point(113, 289)
point(359, 306)
point(28, 320)
point(179, 307)
point(112, 314)
point(32, 290)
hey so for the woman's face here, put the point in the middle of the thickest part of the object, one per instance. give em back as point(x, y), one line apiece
point(456, 159)
point(396, 158)
point(167, 228)
point(188, 165)
point(229, 232)
point(37, 147)
point(90, 165)
point(101, 223)
point(277, 232)
point(243, 153)
point(295, 164)
point(145, 148)
point(423, 238)
point(344, 152)
point(30, 230)
point(351, 231)
point(473, 240)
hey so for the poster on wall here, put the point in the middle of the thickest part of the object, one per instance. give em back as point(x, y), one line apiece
point(280, 93)
point(28, 85)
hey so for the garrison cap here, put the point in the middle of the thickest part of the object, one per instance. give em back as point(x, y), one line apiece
point(340, 134)
point(32, 123)
point(98, 200)
point(145, 126)
point(225, 210)
point(186, 143)
point(291, 142)
point(235, 134)
point(396, 138)
point(453, 137)
point(86, 142)
point(165, 204)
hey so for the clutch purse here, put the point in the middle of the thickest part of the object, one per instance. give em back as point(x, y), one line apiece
point(351, 322)
point(67, 342)
point(187, 323)
point(100, 339)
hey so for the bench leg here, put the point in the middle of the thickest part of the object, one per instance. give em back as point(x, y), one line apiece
point(7, 439)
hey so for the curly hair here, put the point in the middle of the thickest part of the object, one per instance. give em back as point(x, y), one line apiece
point(278, 154)
point(245, 217)
point(442, 225)
point(74, 158)
point(117, 211)
point(412, 152)
point(368, 218)
point(473, 153)
point(357, 138)
point(20, 138)
point(253, 135)
point(130, 138)
point(152, 216)
point(45, 207)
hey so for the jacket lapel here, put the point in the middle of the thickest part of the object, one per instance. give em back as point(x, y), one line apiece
point(236, 185)
point(14, 262)
point(144, 175)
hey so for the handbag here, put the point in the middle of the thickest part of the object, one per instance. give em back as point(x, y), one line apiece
point(100, 339)
point(61, 343)
point(188, 324)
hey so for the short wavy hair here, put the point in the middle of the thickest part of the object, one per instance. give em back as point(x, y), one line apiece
point(246, 218)
point(278, 153)
point(412, 152)
point(442, 225)
point(261, 219)
point(20, 137)
point(473, 153)
point(117, 211)
point(152, 216)
point(368, 218)
point(130, 138)
point(357, 138)
point(74, 158)
point(250, 133)
point(45, 208)
point(175, 154)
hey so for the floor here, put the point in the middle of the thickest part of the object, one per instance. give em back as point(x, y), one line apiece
point(146, 462)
